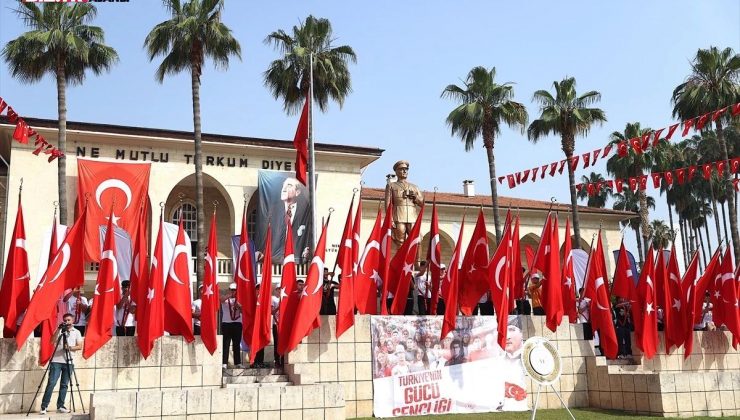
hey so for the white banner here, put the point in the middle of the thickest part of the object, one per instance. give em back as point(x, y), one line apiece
point(414, 373)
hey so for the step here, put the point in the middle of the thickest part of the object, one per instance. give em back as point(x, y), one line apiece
point(53, 415)
point(248, 379)
point(258, 385)
point(252, 372)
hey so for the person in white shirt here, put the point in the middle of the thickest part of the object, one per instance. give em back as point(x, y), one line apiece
point(275, 314)
point(60, 366)
point(423, 293)
point(125, 310)
point(231, 326)
point(78, 306)
point(195, 309)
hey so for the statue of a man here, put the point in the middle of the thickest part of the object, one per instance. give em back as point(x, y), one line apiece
point(406, 198)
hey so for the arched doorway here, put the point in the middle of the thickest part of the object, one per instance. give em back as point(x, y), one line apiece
point(181, 201)
point(529, 240)
point(446, 246)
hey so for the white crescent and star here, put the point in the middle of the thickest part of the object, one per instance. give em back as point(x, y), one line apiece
point(64, 255)
point(289, 259)
point(433, 245)
point(113, 183)
point(20, 243)
point(179, 249)
point(320, 269)
point(239, 272)
point(370, 246)
point(599, 283)
point(209, 261)
point(497, 273)
point(108, 255)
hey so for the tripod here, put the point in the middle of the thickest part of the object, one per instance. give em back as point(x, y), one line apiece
point(63, 333)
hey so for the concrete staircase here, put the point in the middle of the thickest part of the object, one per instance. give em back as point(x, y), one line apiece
point(265, 377)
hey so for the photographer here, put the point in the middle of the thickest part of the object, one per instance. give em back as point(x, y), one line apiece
point(72, 341)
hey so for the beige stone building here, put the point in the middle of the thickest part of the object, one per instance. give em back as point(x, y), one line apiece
point(231, 165)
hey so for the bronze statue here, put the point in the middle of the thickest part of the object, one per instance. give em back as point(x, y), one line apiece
point(406, 198)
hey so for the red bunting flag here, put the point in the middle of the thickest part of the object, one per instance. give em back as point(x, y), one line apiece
point(574, 163)
point(633, 183)
point(702, 121)
point(534, 174)
point(590, 189)
point(586, 160)
point(562, 165)
point(681, 176)
point(596, 156)
point(636, 145)
point(525, 175)
point(501, 179)
point(691, 172)
point(510, 180)
point(671, 130)
point(687, 126)
point(300, 142)
point(619, 185)
point(622, 149)
point(553, 168)
point(543, 171)
point(656, 137)
point(3, 104)
point(21, 132)
point(707, 169)
point(645, 141)
point(718, 113)
point(736, 109)
point(518, 178)
point(656, 179)
point(579, 187)
point(107, 294)
point(721, 168)
point(606, 150)
point(669, 178)
point(643, 182)
point(210, 299)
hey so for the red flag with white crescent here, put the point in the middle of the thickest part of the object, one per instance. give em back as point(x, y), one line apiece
point(552, 294)
point(262, 330)
point(140, 251)
point(624, 281)
point(596, 290)
point(245, 279)
point(346, 308)
point(178, 318)
point(402, 267)
point(689, 285)
point(290, 293)
point(107, 294)
point(209, 297)
point(66, 271)
point(385, 257)
point(46, 347)
point(310, 300)
point(451, 302)
point(105, 183)
point(728, 299)
point(500, 275)
point(15, 289)
point(675, 304)
point(568, 283)
point(647, 301)
point(434, 259)
point(368, 277)
point(150, 319)
point(473, 281)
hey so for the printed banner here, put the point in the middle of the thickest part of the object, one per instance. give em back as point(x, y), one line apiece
point(282, 196)
point(414, 373)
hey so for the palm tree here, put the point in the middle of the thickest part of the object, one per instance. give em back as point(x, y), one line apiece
point(63, 44)
point(633, 165)
point(662, 235)
point(193, 32)
point(666, 157)
point(566, 114)
point(598, 199)
point(484, 106)
point(627, 200)
point(714, 83)
point(309, 51)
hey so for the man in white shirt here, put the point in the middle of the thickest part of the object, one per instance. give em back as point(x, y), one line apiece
point(125, 310)
point(423, 294)
point(78, 306)
point(275, 314)
point(231, 327)
point(60, 366)
point(195, 309)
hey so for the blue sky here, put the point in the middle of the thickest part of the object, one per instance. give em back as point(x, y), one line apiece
point(633, 52)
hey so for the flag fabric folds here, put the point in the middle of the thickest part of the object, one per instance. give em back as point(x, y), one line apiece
point(451, 303)
point(48, 326)
point(177, 296)
point(209, 296)
point(300, 142)
point(473, 275)
point(345, 317)
point(647, 301)
point(434, 259)
point(290, 295)
point(150, 311)
point(262, 330)
point(245, 278)
point(402, 267)
point(601, 314)
point(368, 277)
point(15, 289)
point(568, 281)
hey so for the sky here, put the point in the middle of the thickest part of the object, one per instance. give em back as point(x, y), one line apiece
point(633, 52)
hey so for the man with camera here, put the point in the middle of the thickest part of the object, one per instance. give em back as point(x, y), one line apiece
point(68, 340)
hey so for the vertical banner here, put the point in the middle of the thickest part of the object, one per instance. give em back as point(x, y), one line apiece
point(281, 196)
point(414, 373)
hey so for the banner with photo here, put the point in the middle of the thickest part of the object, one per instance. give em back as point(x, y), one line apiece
point(281, 196)
point(414, 373)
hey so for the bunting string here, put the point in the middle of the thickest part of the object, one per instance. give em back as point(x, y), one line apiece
point(23, 132)
point(639, 144)
point(676, 176)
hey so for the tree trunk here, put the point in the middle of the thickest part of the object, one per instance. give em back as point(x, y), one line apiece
point(494, 191)
point(639, 247)
point(706, 230)
point(724, 218)
point(684, 241)
point(568, 144)
point(644, 220)
point(62, 140)
point(715, 214)
point(670, 216)
point(701, 245)
point(730, 193)
point(195, 80)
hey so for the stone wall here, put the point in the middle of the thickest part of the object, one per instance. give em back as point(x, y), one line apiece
point(348, 360)
point(173, 364)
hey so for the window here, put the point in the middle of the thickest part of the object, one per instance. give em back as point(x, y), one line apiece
point(189, 219)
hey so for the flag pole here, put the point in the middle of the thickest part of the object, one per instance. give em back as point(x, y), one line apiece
point(311, 159)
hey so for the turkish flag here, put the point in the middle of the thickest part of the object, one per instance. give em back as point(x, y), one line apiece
point(65, 272)
point(346, 307)
point(48, 326)
point(434, 259)
point(656, 136)
point(178, 318)
point(728, 299)
point(552, 294)
point(568, 284)
point(516, 280)
point(702, 121)
point(402, 267)
point(689, 286)
point(15, 290)
point(601, 314)
point(673, 317)
point(209, 297)
point(107, 294)
point(624, 281)
point(500, 274)
point(262, 330)
point(659, 272)
point(453, 271)
point(150, 311)
point(121, 185)
point(687, 126)
point(384, 264)
point(309, 304)
point(140, 250)
point(586, 160)
point(300, 142)
point(367, 278)
point(636, 145)
point(244, 277)
point(289, 293)
point(473, 276)
point(647, 302)
point(671, 130)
